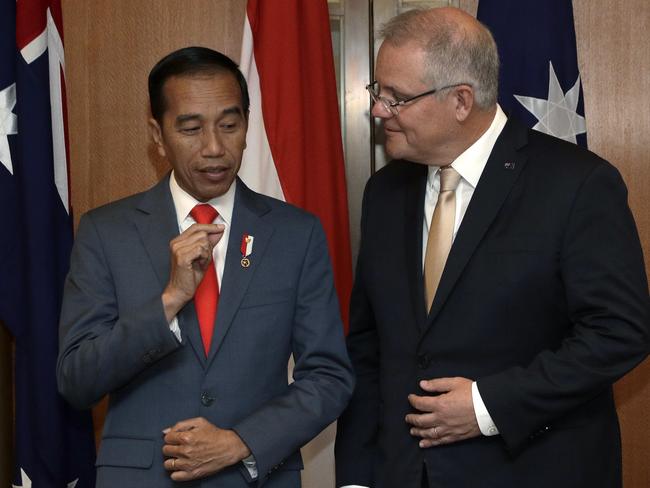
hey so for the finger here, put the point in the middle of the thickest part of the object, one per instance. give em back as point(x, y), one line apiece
point(174, 450)
point(426, 443)
point(172, 464)
point(215, 237)
point(195, 241)
point(423, 403)
point(422, 421)
point(187, 424)
point(184, 242)
point(440, 385)
point(440, 441)
point(430, 433)
point(182, 476)
point(208, 228)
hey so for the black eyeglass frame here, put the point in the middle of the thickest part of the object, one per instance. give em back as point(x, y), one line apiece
point(391, 105)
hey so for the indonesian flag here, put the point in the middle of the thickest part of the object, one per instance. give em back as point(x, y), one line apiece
point(294, 150)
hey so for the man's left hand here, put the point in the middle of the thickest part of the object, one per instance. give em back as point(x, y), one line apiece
point(196, 448)
point(445, 418)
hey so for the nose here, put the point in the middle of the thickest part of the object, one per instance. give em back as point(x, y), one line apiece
point(378, 109)
point(212, 144)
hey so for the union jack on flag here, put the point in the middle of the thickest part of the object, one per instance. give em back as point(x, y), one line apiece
point(53, 443)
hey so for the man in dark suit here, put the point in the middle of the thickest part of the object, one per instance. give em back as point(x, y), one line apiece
point(500, 286)
point(193, 397)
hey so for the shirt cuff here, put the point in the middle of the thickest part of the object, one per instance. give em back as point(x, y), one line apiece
point(485, 422)
point(175, 328)
point(251, 466)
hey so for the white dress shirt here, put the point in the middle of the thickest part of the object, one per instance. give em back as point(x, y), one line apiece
point(470, 165)
point(184, 203)
point(224, 204)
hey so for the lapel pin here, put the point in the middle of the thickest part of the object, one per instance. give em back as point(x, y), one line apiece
point(246, 250)
point(509, 165)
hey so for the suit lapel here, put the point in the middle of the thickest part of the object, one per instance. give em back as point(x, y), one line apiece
point(504, 166)
point(155, 219)
point(157, 225)
point(246, 219)
point(413, 222)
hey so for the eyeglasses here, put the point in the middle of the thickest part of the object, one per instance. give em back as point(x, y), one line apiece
point(392, 105)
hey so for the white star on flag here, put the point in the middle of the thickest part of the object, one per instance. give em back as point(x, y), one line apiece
point(24, 479)
point(557, 116)
point(27, 483)
point(8, 124)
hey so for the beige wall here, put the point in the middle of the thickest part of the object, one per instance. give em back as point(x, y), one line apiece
point(614, 57)
point(110, 47)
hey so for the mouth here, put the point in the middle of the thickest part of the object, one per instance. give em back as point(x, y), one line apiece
point(214, 174)
point(388, 130)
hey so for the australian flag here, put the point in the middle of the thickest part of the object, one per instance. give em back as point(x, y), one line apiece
point(539, 82)
point(53, 443)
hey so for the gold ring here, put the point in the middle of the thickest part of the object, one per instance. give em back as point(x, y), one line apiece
point(174, 464)
point(435, 432)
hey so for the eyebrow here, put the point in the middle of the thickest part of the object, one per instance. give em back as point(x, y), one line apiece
point(187, 117)
point(193, 116)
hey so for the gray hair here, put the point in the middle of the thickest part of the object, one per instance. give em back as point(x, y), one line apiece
point(454, 54)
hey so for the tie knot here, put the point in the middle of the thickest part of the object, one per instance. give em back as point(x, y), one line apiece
point(449, 179)
point(204, 213)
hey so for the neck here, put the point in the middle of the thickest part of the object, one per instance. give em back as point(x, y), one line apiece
point(471, 129)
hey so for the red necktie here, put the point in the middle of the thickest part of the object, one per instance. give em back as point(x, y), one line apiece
point(207, 293)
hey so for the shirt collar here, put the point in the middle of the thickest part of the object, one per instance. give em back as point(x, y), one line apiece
point(471, 163)
point(184, 202)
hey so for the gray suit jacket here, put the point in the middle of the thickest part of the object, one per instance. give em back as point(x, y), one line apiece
point(114, 339)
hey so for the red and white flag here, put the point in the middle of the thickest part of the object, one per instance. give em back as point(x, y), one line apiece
point(294, 149)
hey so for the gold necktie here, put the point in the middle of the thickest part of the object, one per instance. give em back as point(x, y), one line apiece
point(441, 232)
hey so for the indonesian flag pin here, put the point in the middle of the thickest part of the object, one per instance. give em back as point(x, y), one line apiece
point(246, 250)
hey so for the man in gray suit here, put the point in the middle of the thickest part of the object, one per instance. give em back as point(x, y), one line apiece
point(194, 397)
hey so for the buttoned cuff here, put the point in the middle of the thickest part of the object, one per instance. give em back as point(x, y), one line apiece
point(251, 466)
point(485, 422)
point(175, 328)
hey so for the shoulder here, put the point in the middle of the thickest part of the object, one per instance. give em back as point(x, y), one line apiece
point(396, 177)
point(121, 211)
point(276, 212)
point(554, 156)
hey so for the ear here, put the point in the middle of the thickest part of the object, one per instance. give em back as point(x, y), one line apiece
point(156, 136)
point(246, 120)
point(464, 100)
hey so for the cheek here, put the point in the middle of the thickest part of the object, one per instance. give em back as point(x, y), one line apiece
point(236, 145)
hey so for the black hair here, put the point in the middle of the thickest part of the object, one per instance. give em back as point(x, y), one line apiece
point(191, 61)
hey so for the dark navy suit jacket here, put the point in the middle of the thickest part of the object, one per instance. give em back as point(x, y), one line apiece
point(543, 301)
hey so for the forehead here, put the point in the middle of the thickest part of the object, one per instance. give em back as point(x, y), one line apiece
point(201, 92)
point(400, 66)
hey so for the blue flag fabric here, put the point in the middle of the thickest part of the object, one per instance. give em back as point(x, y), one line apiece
point(54, 446)
point(539, 81)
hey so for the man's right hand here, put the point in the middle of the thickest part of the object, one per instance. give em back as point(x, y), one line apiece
point(191, 254)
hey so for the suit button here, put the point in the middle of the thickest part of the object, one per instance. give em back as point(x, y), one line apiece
point(424, 360)
point(206, 400)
